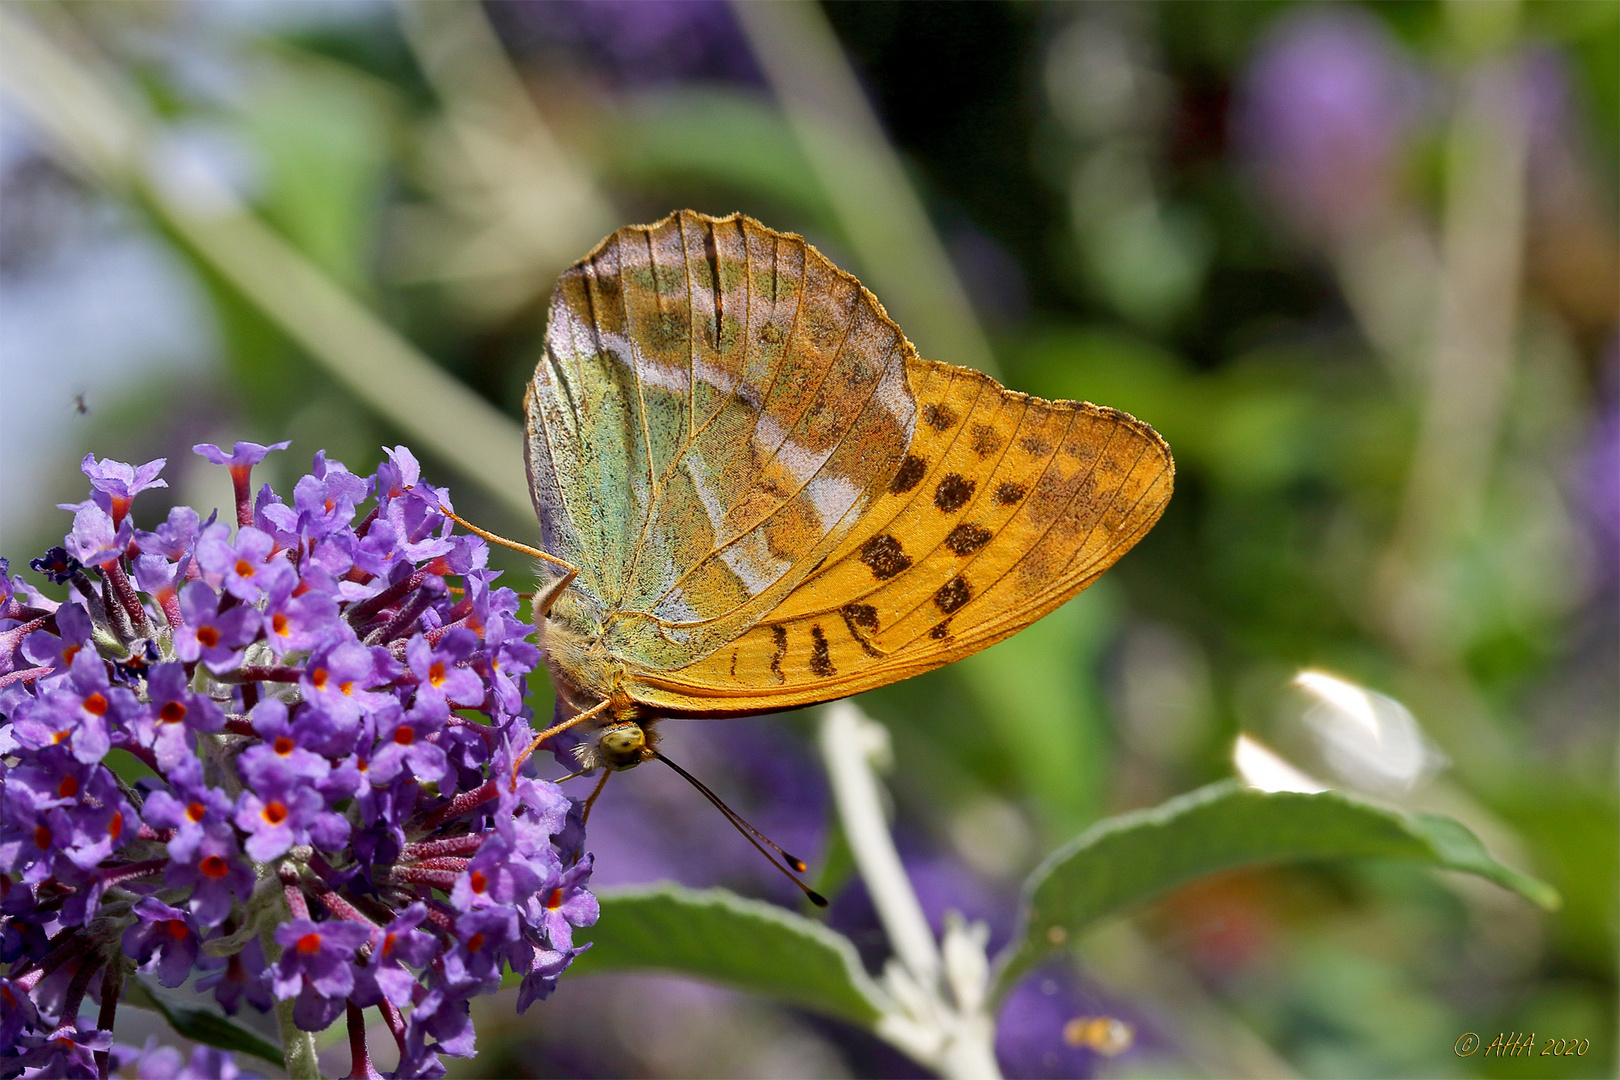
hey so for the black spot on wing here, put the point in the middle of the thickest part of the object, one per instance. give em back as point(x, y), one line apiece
point(909, 475)
point(986, 440)
point(967, 538)
point(862, 619)
point(939, 417)
point(941, 631)
point(1008, 492)
point(953, 493)
point(1037, 446)
point(779, 639)
point(885, 556)
point(820, 660)
point(953, 594)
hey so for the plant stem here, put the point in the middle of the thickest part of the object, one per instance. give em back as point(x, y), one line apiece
point(847, 741)
point(112, 984)
point(957, 1034)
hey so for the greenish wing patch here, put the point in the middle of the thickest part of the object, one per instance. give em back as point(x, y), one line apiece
point(717, 406)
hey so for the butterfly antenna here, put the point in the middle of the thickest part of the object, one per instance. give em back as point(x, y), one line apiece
point(797, 864)
point(752, 835)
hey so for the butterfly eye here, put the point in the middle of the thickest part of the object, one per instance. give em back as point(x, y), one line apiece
point(622, 746)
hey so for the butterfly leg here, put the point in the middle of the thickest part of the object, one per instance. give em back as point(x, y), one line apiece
point(548, 596)
point(594, 710)
point(590, 802)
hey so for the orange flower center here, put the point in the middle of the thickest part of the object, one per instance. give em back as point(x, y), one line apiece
point(244, 568)
point(404, 736)
point(283, 745)
point(195, 811)
point(554, 901)
point(116, 825)
point(214, 866)
point(275, 813)
point(42, 837)
point(172, 713)
point(208, 636)
point(479, 881)
point(68, 788)
point(178, 929)
point(279, 623)
point(436, 674)
point(475, 943)
point(95, 704)
point(309, 944)
point(318, 677)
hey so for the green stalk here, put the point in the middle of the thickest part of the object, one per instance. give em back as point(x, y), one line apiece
point(297, 1045)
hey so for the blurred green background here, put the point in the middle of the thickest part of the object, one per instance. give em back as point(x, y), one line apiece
point(1357, 264)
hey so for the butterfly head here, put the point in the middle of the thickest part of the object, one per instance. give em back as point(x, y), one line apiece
point(624, 745)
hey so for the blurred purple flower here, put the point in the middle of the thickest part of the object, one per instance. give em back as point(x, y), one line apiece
point(242, 977)
point(1051, 1027)
point(96, 540)
point(1323, 115)
point(206, 1063)
point(636, 42)
point(1600, 482)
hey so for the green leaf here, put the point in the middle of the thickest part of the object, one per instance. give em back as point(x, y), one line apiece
point(723, 938)
point(201, 1025)
point(1125, 860)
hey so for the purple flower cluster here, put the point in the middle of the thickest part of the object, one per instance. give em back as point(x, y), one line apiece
point(1324, 116)
point(281, 754)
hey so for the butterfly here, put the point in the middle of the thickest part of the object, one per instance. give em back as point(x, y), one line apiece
point(755, 495)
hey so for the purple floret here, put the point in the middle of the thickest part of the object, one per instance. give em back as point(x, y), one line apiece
point(164, 942)
point(116, 484)
point(316, 968)
point(210, 634)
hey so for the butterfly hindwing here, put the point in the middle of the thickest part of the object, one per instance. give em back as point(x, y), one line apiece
point(1002, 507)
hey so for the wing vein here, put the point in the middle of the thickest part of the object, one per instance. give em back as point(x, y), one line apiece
point(635, 372)
point(720, 546)
point(1056, 517)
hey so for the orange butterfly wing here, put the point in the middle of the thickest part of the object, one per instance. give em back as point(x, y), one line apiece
point(1002, 507)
